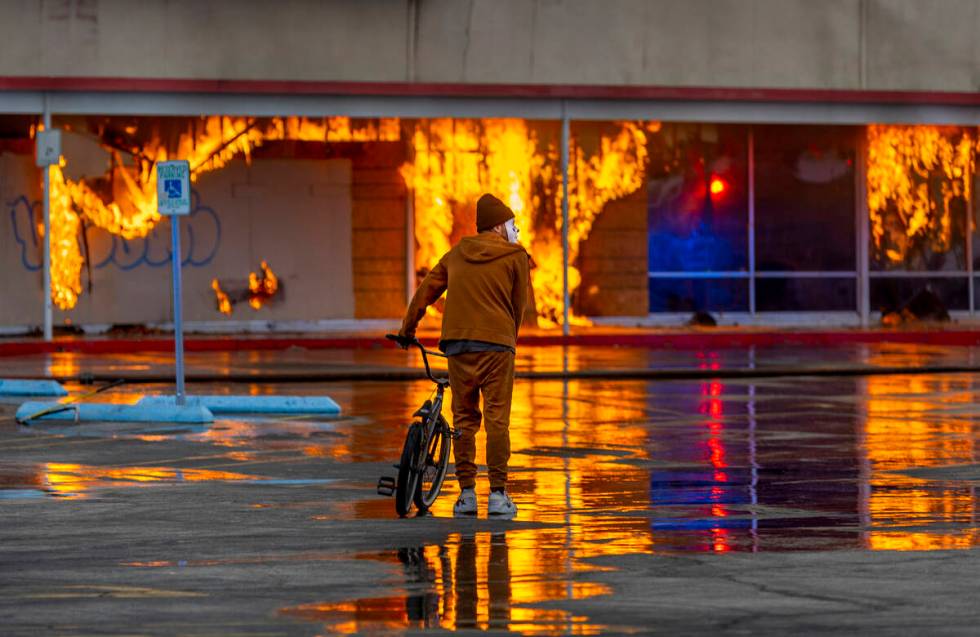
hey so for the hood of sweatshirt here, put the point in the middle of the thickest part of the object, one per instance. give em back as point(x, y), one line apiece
point(487, 246)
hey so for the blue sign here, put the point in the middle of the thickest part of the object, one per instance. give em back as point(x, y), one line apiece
point(174, 187)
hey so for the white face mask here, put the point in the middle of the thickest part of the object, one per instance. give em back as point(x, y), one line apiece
point(513, 232)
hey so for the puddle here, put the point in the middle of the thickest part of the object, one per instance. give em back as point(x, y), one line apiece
point(782, 465)
point(65, 480)
point(482, 581)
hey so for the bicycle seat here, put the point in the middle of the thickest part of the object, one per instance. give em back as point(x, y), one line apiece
point(423, 411)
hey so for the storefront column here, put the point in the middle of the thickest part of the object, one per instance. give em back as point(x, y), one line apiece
point(751, 151)
point(969, 253)
point(863, 233)
point(565, 134)
point(46, 266)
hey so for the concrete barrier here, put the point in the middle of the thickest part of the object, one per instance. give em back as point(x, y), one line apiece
point(315, 405)
point(109, 412)
point(17, 387)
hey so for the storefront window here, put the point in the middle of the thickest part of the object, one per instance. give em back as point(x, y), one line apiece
point(919, 193)
point(804, 189)
point(805, 294)
point(928, 294)
point(693, 295)
point(697, 199)
point(697, 211)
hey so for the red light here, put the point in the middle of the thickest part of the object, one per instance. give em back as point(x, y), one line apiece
point(717, 186)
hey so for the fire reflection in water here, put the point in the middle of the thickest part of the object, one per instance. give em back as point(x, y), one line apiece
point(76, 480)
point(909, 427)
point(485, 581)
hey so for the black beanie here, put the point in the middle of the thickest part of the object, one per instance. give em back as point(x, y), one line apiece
point(491, 212)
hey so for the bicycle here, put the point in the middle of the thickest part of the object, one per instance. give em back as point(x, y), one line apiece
point(425, 454)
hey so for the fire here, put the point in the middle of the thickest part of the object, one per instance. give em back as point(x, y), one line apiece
point(261, 288)
point(65, 252)
point(211, 144)
point(224, 303)
point(914, 175)
point(455, 161)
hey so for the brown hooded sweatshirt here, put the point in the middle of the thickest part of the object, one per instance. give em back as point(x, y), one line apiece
point(488, 280)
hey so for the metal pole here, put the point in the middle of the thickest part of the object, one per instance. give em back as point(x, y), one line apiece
point(48, 321)
point(863, 229)
point(751, 222)
point(565, 134)
point(178, 318)
point(969, 252)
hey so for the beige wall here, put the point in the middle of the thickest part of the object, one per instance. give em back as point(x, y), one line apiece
point(296, 214)
point(823, 44)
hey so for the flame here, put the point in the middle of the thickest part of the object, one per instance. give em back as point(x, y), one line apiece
point(210, 145)
point(456, 161)
point(914, 174)
point(66, 256)
point(224, 303)
point(261, 288)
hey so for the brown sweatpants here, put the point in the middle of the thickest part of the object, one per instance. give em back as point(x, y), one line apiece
point(492, 374)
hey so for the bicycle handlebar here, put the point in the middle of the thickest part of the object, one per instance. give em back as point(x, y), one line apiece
point(407, 342)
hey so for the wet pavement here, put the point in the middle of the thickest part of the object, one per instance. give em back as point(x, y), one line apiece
point(805, 504)
point(297, 364)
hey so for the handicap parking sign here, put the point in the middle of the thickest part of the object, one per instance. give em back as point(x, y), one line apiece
point(174, 187)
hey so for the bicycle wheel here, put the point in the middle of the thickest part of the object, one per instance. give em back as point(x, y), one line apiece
point(408, 477)
point(436, 464)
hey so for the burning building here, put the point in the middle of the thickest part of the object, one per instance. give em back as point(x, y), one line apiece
point(648, 185)
point(664, 218)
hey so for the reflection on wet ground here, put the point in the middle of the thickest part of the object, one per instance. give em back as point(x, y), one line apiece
point(469, 582)
point(67, 480)
point(879, 463)
point(297, 361)
point(601, 469)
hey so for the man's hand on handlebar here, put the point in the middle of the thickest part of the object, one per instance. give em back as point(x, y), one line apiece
point(404, 342)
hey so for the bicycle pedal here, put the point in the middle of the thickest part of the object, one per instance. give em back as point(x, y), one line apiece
point(386, 486)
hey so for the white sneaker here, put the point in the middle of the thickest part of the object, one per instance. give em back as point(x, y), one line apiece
point(501, 504)
point(465, 503)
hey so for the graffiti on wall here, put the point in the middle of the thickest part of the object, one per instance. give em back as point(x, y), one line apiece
point(200, 239)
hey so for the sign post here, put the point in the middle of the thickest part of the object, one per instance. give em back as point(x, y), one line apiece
point(174, 201)
point(48, 154)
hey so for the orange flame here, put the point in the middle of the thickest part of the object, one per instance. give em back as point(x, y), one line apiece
point(455, 161)
point(212, 143)
point(914, 174)
point(261, 288)
point(224, 303)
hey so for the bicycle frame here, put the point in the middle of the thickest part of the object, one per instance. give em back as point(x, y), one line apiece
point(418, 454)
point(430, 412)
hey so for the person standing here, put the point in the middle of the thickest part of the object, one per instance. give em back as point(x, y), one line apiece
point(486, 278)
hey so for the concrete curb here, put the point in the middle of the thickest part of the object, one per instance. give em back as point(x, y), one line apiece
point(320, 405)
point(32, 387)
point(108, 412)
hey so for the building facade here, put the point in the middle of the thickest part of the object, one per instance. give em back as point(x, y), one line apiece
point(761, 160)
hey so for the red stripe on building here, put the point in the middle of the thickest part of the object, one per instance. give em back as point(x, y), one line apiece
point(430, 89)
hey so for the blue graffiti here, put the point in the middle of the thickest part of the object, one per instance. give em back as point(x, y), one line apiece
point(22, 213)
point(200, 239)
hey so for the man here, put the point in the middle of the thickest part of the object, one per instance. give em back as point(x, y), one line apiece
point(487, 278)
